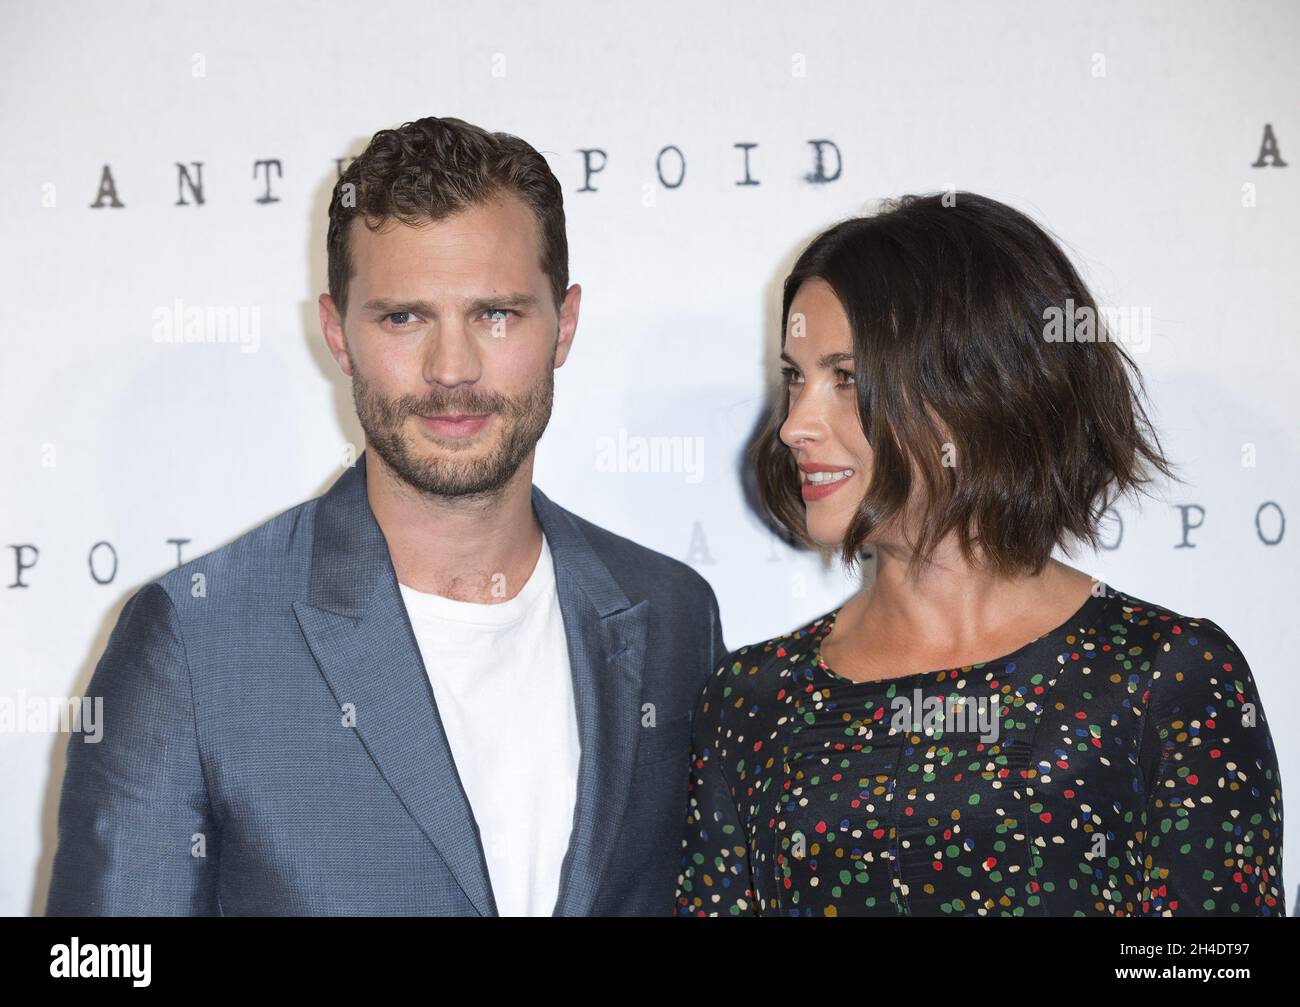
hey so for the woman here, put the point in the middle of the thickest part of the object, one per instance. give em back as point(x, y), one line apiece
point(985, 730)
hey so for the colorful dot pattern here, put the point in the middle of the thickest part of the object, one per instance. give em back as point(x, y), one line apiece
point(1132, 773)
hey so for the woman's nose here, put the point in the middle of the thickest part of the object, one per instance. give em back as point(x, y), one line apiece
point(803, 425)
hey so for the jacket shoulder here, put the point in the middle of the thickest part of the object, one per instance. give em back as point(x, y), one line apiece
point(269, 554)
point(640, 570)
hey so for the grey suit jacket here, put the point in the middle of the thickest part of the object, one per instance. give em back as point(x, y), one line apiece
point(271, 744)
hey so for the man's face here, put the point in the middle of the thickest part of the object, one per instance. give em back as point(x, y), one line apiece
point(451, 338)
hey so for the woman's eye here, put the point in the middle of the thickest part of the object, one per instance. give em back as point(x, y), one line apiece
point(789, 376)
point(846, 377)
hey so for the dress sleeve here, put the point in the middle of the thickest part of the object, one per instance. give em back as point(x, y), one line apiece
point(1214, 810)
point(715, 878)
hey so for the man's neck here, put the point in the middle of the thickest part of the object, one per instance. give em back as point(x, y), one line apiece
point(469, 549)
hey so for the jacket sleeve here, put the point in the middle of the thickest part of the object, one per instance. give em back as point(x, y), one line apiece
point(136, 835)
point(715, 876)
point(717, 648)
point(1214, 810)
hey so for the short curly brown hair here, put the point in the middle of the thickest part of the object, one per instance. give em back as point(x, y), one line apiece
point(946, 299)
point(432, 168)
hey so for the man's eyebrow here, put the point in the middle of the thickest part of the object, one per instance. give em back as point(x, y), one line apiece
point(826, 360)
point(385, 305)
point(519, 300)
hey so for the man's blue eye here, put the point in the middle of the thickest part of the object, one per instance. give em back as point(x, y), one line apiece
point(499, 311)
point(394, 314)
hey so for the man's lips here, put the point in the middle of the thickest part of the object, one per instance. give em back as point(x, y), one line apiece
point(456, 424)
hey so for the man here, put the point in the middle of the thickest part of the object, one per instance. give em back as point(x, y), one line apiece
point(431, 690)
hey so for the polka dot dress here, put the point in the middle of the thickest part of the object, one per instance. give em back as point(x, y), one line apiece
point(1119, 765)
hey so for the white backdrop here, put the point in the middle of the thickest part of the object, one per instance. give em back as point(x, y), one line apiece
point(1131, 131)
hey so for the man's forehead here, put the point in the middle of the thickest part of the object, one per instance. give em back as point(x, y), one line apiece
point(464, 257)
point(451, 240)
point(500, 219)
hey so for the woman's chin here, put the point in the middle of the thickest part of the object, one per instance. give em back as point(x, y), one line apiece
point(828, 535)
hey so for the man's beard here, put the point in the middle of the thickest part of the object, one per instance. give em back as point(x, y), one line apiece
point(522, 418)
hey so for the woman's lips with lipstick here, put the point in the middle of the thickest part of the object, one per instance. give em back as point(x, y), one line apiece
point(820, 481)
point(456, 424)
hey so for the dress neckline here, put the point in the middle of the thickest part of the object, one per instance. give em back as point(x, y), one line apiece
point(1095, 599)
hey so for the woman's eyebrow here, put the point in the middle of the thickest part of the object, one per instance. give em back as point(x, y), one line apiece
point(826, 360)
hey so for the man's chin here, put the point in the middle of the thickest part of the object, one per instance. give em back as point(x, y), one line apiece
point(463, 469)
point(432, 455)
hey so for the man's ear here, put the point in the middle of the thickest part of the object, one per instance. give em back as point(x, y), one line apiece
point(331, 326)
point(568, 322)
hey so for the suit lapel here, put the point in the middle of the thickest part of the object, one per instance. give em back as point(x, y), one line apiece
point(606, 640)
point(373, 665)
point(356, 626)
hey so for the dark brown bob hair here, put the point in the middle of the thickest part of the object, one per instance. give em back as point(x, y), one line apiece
point(950, 299)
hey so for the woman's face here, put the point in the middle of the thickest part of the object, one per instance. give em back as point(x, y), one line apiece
point(823, 429)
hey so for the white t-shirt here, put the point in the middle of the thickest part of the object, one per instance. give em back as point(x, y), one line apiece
point(501, 678)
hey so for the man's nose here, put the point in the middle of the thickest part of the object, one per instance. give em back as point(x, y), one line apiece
point(451, 357)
